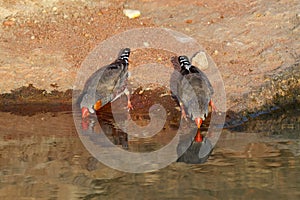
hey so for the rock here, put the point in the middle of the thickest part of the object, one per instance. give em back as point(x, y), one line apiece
point(200, 60)
point(8, 23)
point(131, 14)
point(188, 21)
point(146, 44)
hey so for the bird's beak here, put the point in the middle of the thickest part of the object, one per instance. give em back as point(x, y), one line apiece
point(84, 112)
point(198, 122)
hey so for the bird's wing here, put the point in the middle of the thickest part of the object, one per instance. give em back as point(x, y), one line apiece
point(195, 94)
point(111, 82)
point(102, 83)
point(202, 76)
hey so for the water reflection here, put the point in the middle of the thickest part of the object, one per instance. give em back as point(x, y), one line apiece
point(188, 150)
point(42, 157)
point(197, 152)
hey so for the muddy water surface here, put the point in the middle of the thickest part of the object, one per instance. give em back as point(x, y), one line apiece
point(42, 157)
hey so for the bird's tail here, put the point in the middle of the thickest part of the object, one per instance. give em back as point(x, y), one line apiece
point(124, 55)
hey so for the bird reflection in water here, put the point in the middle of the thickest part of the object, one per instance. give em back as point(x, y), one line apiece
point(116, 136)
point(199, 148)
point(192, 148)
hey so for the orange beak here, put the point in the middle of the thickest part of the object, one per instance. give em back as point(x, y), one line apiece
point(198, 122)
point(84, 112)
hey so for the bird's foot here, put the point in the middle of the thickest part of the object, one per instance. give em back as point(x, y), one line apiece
point(183, 114)
point(213, 106)
point(129, 106)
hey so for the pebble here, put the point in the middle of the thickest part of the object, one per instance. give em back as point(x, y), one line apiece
point(131, 14)
point(32, 37)
point(200, 60)
point(188, 21)
point(146, 44)
point(216, 52)
point(8, 23)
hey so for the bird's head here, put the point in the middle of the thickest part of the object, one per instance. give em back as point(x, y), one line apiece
point(124, 55)
point(184, 62)
point(86, 107)
point(198, 122)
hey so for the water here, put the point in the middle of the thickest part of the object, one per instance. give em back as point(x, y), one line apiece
point(42, 157)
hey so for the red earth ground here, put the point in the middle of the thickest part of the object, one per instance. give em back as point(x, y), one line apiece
point(44, 43)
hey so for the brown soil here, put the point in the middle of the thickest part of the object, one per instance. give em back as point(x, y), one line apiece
point(252, 43)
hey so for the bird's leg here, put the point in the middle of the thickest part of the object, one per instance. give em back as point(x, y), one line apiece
point(129, 106)
point(213, 107)
point(97, 105)
point(183, 114)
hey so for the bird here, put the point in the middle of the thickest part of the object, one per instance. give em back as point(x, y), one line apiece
point(193, 91)
point(106, 85)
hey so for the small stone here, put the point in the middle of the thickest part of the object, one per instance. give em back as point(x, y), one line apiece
point(131, 14)
point(32, 37)
point(54, 85)
point(54, 9)
point(200, 60)
point(146, 44)
point(8, 23)
point(188, 21)
point(258, 14)
point(141, 92)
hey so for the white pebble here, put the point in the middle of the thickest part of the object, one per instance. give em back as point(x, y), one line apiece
point(200, 60)
point(131, 14)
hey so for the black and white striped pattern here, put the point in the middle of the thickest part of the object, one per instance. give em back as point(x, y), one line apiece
point(124, 55)
point(184, 62)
